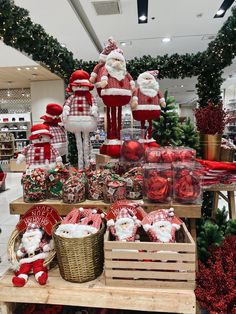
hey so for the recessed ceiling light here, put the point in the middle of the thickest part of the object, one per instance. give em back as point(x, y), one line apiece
point(123, 43)
point(166, 39)
point(181, 86)
point(18, 69)
point(27, 68)
point(142, 18)
point(35, 68)
point(219, 12)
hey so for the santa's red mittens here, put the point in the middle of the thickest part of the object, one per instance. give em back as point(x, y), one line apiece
point(18, 281)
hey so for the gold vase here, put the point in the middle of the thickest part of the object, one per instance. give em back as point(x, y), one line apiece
point(210, 145)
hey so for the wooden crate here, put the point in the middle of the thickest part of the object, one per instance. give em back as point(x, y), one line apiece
point(150, 264)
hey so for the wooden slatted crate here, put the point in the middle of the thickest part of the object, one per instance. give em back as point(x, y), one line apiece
point(150, 264)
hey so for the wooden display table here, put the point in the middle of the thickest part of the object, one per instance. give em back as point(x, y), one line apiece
point(230, 199)
point(95, 294)
point(19, 207)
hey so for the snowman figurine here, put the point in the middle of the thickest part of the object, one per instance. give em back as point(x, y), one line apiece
point(40, 153)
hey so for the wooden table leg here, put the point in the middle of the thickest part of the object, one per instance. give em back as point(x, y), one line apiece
point(215, 204)
point(231, 201)
point(6, 308)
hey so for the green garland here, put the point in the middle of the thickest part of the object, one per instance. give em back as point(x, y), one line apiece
point(17, 30)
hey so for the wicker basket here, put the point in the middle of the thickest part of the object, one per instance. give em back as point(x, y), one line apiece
point(13, 245)
point(227, 154)
point(80, 259)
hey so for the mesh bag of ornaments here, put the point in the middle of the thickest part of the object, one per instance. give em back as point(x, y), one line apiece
point(56, 179)
point(134, 183)
point(34, 182)
point(114, 188)
point(187, 182)
point(74, 189)
point(95, 184)
point(157, 183)
point(169, 154)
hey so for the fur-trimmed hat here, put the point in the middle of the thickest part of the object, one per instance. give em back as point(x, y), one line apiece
point(53, 112)
point(80, 78)
point(110, 45)
point(38, 130)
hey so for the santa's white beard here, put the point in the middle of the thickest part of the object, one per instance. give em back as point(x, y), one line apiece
point(123, 234)
point(149, 87)
point(31, 245)
point(116, 69)
point(163, 235)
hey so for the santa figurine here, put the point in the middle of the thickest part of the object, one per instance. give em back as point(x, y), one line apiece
point(125, 226)
point(31, 254)
point(80, 114)
point(40, 154)
point(52, 120)
point(95, 77)
point(161, 225)
point(117, 88)
point(146, 102)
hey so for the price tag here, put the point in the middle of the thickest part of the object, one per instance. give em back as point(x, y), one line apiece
point(51, 177)
point(129, 182)
point(111, 191)
point(28, 172)
point(132, 194)
point(95, 196)
point(70, 197)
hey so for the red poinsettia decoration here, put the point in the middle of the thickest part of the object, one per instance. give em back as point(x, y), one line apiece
point(216, 281)
point(211, 119)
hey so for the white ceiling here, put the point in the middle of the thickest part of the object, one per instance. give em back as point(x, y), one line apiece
point(177, 19)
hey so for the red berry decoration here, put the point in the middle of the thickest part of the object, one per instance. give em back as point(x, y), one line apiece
point(132, 150)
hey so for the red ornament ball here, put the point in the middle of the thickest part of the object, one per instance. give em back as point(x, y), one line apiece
point(132, 150)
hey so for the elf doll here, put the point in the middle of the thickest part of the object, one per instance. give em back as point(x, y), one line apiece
point(146, 103)
point(80, 114)
point(52, 120)
point(40, 154)
point(117, 87)
point(95, 77)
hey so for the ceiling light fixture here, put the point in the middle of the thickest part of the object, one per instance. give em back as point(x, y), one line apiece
point(166, 40)
point(223, 8)
point(142, 6)
point(27, 68)
point(35, 68)
point(123, 43)
point(18, 69)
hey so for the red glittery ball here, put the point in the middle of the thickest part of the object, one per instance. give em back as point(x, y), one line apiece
point(132, 150)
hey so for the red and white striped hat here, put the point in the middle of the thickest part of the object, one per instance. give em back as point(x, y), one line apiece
point(38, 130)
point(110, 45)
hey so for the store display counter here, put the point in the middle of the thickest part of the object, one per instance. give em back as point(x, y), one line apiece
point(97, 294)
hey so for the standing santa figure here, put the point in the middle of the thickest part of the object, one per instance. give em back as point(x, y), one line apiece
point(40, 154)
point(52, 120)
point(31, 253)
point(95, 76)
point(80, 114)
point(117, 87)
point(146, 103)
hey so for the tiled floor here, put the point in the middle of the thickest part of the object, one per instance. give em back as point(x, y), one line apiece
point(7, 221)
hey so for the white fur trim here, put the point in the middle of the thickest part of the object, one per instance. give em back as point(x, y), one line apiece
point(76, 124)
point(147, 107)
point(110, 223)
point(67, 108)
point(94, 111)
point(81, 81)
point(59, 159)
point(51, 116)
point(19, 253)
point(135, 98)
point(24, 276)
point(38, 274)
point(177, 227)
point(102, 57)
point(94, 211)
point(112, 142)
point(40, 131)
point(104, 78)
point(46, 248)
point(33, 258)
point(115, 55)
point(132, 83)
point(116, 91)
point(147, 227)
point(20, 159)
point(93, 74)
point(81, 209)
point(162, 99)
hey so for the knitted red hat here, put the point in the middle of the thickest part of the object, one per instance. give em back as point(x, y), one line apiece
point(110, 45)
point(38, 130)
point(94, 220)
point(80, 78)
point(53, 111)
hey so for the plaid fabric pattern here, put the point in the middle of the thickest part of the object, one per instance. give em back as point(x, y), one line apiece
point(114, 83)
point(79, 106)
point(145, 100)
point(35, 155)
point(59, 134)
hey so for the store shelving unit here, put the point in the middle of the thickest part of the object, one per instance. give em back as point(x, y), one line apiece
point(7, 146)
point(231, 128)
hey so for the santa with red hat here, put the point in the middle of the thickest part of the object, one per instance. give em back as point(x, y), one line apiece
point(31, 254)
point(125, 225)
point(52, 120)
point(161, 225)
point(40, 154)
point(80, 114)
point(146, 102)
point(117, 87)
point(95, 76)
